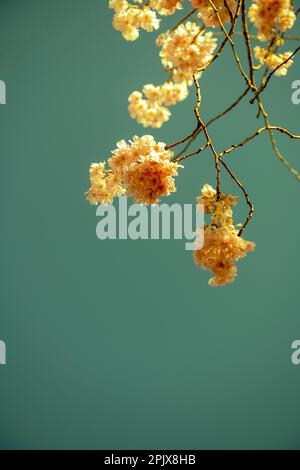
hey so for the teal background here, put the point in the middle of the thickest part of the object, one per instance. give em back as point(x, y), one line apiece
point(122, 344)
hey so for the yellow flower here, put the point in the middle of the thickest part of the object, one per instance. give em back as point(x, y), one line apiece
point(186, 50)
point(166, 7)
point(150, 178)
point(152, 111)
point(105, 185)
point(129, 19)
point(220, 207)
point(222, 248)
point(269, 14)
point(222, 244)
point(272, 60)
point(142, 169)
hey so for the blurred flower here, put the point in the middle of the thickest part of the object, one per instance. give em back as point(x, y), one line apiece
point(269, 14)
point(208, 14)
point(273, 60)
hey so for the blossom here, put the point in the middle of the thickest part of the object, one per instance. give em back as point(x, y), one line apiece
point(128, 19)
point(118, 5)
point(185, 50)
point(141, 168)
point(151, 111)
point(273, 60)
point(269, 14)
point(208, 14)
point(125, 154)
point(172, 93)
point(166, 7)
point(150, 178)
point(223, 245)
point(146, 112)
point(220, 208)
point(105, 185)
point(222, 248)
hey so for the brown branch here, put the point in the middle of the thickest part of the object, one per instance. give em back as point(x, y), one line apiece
point(240, 185)
point(191, 13)
point(255, 134)
point(231, 42)
point(277, 152)
point(229, 11)
point(228, 35)
point(208, 139)
point(247, 42)
point(197, 131)
point(191, 154)
point(190, 136)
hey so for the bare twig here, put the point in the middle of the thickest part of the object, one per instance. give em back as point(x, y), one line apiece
point(240, 185)
point(263, 86)
point(197, 131)
point(191, 13)
point(208, 139)
point(228, 35)
point(191, 154)
point(255, 134)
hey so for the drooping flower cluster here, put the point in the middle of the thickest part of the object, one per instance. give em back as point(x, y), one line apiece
point(268, 15)
point(223, 246)
point(226, 10)
point(185, 50)
point(128, 19)
point(166, 7)
point(142, 169)
point(273, 60)
point(151, 109)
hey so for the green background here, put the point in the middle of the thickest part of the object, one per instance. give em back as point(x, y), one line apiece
point(122, 344)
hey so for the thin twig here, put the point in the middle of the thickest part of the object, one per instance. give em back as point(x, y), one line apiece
point(250, 204)
point(232, 45)
point(247, 41)
point(191, 13)
point(191, 154)
point(255, 134)
point(197, 131)
point(228, 35)
point(271, 74)
point(208, 139)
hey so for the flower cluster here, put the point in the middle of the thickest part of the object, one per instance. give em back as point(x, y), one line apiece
point(226, 10)
point(105, 185)
point(222, 244)
point(166, 7)
point(267, 15)
point(128, 19)
point(142, 169)
point(151, 110)
point(273, 60)
point(185, 50)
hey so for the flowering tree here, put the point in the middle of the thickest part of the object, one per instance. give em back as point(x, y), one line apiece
point(144, 168)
